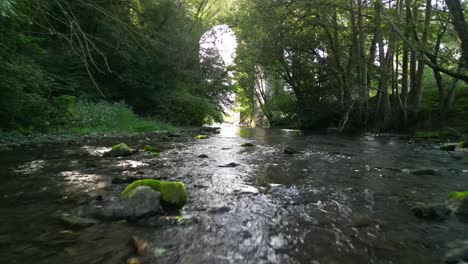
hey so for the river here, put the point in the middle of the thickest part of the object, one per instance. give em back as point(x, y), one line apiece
point(340, 200)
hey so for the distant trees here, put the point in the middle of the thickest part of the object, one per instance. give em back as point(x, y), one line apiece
point(364, 61)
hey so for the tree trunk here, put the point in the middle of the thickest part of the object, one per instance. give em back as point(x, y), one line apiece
point(459, 23)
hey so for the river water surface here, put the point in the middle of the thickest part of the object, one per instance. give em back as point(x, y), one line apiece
point(341, 200)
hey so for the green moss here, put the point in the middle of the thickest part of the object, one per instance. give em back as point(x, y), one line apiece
point(171, 192)
point(463, 144)
point(201, 137)
point(154, 153)
point(427, 134)
point(149, 148)
point(458, 195)
point(247, 145)
point(120, 150)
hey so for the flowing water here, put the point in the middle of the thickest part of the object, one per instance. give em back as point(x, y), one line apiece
point(341, 200)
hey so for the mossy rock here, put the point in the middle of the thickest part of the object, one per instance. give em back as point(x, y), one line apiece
point(155, 154)
point(171, 192)
point(458, 195)
point(120, 150)
point(247, 145)
point(463, 144)
point(448, 147)
point(149, 148)
point(201, 137)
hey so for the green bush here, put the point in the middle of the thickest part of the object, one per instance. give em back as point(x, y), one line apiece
point(86, 117)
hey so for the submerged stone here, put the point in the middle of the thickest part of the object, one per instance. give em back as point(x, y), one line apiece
point(171, 192)
point(290, 151)
point(76, 221)
point(457, 255)
point(229, 165)
point(437, 212)
point(448, 147)
point(247, 145)
point(424, 172)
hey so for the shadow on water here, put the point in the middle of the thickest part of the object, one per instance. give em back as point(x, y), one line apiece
point(271, 208)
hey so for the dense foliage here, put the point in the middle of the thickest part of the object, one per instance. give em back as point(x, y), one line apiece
point(350, 64)
point(353, 63)
point(145, 53)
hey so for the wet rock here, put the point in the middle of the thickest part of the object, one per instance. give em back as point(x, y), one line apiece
point(448, 147)
point(463, 144)
point(462, 209)
point(140, 202)
point(120, 150)
point(210, 129)
point(290, 151)
point(220, 210)
point(436, 212)
point(457, 255)
point(425, 172)
point(171, 192)
point(229, 165)
point(458, 202)
point(203, 156)
point(247, 145)
point(76, 221)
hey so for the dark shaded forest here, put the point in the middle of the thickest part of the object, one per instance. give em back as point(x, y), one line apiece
point(83, 66)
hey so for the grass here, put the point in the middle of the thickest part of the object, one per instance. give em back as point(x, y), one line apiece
point(102, 117)
point(83, 118)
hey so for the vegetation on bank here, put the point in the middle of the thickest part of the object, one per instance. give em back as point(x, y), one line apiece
point(67, 115)
point(116, 66)
point(84, 66)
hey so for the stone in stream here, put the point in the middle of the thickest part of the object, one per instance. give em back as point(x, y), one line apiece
point(425, 172)
point(229, 165)
point(457, 255)
point(437, 212)
point(76, 221)
point(120, 150)
point(203, 156)
point(171, 192)
point(448, 147)
point(247, 145)
point(290, 151)
point(458, 202)
point(140, 202)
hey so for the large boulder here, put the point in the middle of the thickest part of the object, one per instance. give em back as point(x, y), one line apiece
point(140, 202)
point(171, 192)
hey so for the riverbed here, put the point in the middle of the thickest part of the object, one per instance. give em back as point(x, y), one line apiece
point(341, 199)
